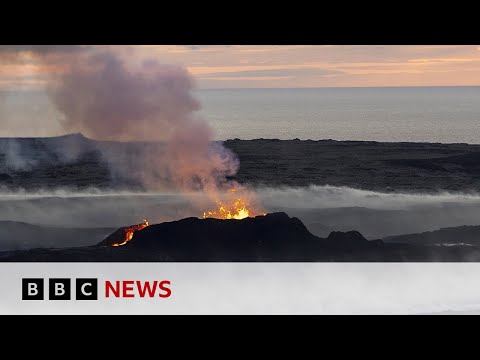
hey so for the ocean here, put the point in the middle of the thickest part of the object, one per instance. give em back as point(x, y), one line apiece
point(411, 114)
point(418, 114)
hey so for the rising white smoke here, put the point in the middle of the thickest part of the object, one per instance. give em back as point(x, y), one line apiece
point(13, 157)
point(103, 98)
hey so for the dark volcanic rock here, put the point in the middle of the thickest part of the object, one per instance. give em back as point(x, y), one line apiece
point(65, 161)
point(370, 165)
point(274, 237)
point(349, 239)
point(75, 161)
point(452, 236)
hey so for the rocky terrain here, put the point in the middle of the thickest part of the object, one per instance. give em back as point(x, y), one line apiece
point(275, 237)
point(77, 162)
point(401, 167)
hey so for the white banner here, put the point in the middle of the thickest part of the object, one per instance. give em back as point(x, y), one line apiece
point(239, 288)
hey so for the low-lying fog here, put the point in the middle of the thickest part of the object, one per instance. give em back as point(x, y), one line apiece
point(86, 218)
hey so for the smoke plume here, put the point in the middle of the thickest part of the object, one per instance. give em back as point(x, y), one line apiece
point(13, 157)
point(152, 104)
point(103, 99)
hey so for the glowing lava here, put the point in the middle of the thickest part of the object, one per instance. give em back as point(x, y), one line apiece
point(235, 208)
point(129, 231)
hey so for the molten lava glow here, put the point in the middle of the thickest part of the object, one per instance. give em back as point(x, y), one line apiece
point(236, 208)
point(131, 230)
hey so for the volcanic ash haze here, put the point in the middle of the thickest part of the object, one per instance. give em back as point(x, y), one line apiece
point(105, 100)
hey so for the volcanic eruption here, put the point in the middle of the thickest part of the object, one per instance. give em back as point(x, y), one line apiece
point(152, 106)
point(235, 205)
point(125, 234)
point(237, 210)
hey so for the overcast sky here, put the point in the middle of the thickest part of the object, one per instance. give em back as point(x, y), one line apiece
point(32, 67)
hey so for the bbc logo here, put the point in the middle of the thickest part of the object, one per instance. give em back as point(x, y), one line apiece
point(59, 289)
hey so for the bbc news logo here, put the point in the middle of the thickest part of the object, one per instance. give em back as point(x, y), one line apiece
point(59, 289)
point(87, 289)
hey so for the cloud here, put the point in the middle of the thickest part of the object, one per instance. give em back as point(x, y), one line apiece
point(285, 72)
point(442, 60)
point(206, 47)
point(269, 65)
point(247, 78)
point(273, 48)
point(40, 49)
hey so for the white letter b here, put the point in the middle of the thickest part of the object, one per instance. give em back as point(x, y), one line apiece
point(32, 289)
point(59, 289)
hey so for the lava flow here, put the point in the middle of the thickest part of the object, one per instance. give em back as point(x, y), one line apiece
point(232, 206)
point(129, 231)
point(235, 208)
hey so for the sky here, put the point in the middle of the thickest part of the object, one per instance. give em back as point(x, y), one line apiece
point(30, 74)
point(26, 68)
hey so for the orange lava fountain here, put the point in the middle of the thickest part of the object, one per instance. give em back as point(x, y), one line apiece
point(237, 207)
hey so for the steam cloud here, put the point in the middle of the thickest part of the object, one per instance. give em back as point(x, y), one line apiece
point(14, 160)
point(151, 104)
point(101, 98)
point(104, 99)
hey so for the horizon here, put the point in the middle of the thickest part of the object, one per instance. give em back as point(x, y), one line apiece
point(383, 114)
point(342, 87)
point(79, 134)
point(332, 92)
point(40, 91)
